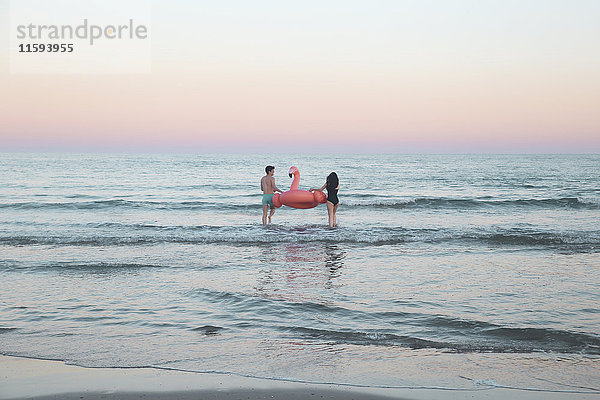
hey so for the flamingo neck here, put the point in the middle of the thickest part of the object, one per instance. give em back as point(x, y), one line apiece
point(296, 181)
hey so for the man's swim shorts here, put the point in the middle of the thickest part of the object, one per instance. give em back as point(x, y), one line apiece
point(267, 199)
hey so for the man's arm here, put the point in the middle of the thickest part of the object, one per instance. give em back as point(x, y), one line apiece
point(275, 188)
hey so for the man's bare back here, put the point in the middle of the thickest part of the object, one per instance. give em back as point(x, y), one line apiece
point(267, 184)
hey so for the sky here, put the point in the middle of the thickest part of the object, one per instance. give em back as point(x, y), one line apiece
point(400, 76)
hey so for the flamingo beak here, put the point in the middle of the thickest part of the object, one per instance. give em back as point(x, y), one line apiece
point(290, 175)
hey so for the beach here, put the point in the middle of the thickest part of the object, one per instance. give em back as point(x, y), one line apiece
point(41, 379)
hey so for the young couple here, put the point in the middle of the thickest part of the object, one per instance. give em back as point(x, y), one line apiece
point(267, 184)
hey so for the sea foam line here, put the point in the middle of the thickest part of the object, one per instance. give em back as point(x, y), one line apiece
point(324, 383)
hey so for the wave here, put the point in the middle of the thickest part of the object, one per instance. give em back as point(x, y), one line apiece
point(351, 201)
point(90, 267)
point(493, 340)
point(209, 330)
point(409, 329)
point(482, 202)
point(127, 204)
point(115, 234)
point(533, 238)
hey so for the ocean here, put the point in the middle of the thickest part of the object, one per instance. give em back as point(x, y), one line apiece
point(445, 271)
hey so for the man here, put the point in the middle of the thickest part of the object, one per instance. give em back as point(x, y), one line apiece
point(267, 184)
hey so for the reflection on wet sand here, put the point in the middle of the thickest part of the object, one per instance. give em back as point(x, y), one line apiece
point(300, 272)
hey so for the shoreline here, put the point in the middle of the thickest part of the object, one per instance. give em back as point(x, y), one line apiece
point(30, 378)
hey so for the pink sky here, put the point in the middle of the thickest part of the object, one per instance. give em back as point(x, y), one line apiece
point(526, 86)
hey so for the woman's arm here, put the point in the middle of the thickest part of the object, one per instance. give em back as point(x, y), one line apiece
point(320, 190)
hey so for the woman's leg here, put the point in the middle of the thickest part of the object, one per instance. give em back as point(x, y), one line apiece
point(334, 211)
point(330, 213)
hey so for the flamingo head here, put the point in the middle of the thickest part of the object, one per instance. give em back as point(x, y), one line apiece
point(293, 171)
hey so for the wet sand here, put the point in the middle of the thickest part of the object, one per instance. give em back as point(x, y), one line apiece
point(24, 378)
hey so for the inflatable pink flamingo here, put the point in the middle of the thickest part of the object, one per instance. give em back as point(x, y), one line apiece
point(297, 198)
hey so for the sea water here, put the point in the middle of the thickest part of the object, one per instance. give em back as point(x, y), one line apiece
point(453, 271)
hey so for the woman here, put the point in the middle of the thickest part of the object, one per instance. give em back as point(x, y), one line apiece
point(333, 185)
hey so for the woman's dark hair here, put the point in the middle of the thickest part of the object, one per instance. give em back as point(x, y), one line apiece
point(269, 168)
point(332, 181)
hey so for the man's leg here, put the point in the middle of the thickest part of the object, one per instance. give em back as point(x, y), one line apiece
point(271, 213)
point(264, 217)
